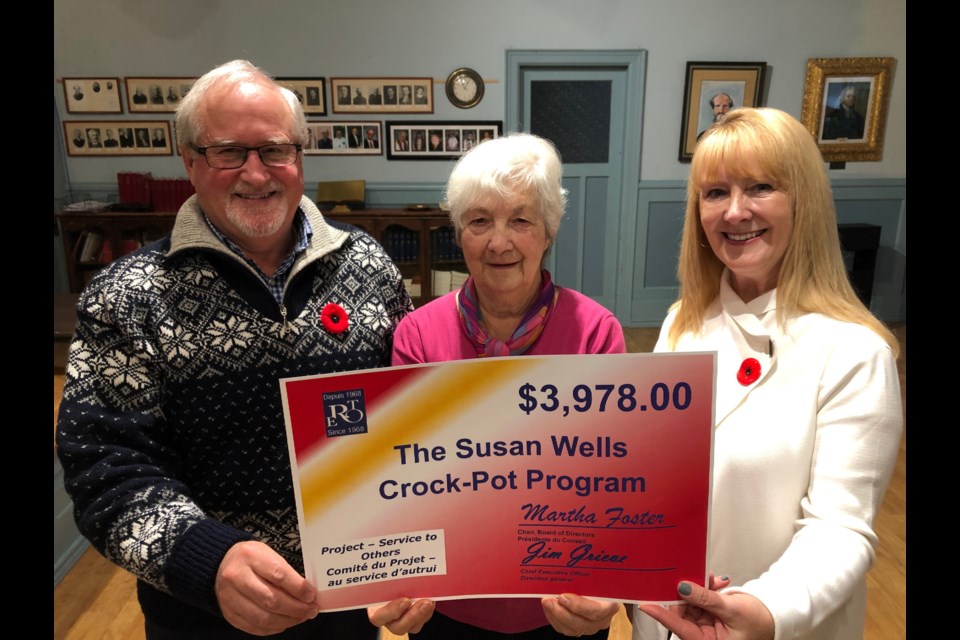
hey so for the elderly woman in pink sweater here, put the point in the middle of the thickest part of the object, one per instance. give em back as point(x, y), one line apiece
point(506, 202)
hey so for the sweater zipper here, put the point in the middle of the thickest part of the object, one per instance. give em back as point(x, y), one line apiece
point(283, 318)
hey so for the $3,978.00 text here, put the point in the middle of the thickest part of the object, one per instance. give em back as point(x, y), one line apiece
point(600, 397)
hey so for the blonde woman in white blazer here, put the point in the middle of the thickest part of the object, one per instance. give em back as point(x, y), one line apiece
point(808, 410)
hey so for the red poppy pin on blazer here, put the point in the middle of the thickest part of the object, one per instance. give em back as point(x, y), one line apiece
point(749, 372)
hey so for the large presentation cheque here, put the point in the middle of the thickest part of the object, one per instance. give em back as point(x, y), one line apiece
point(522, 476)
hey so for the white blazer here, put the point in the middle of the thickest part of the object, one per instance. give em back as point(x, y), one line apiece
point(802, 458)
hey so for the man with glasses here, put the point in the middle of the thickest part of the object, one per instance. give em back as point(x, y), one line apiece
point(171, 429)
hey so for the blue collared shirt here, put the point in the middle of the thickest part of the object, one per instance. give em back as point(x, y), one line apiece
point(276, 282)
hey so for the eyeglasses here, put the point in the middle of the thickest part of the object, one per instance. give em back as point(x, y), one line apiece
point(225, 156)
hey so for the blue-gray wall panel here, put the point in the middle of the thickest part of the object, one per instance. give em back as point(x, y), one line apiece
point(567, 252)
point(664, 228)
point(595, 249)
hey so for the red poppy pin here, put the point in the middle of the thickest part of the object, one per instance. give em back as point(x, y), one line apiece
point(334, 318)
point(749, 371)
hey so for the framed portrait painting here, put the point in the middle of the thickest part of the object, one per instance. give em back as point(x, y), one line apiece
point(710, 91)
point(845, 104)
point(311, 92)
point(156, 95)
point(93, 138)
point(92, 95)
point(381, 95)
point(429, 140)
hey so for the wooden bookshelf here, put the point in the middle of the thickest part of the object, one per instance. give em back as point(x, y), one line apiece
point(119, 233)
point(419, 242)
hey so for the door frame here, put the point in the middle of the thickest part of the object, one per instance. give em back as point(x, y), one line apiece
point(633, 63)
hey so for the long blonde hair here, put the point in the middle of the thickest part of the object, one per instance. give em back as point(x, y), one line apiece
point(812, 278)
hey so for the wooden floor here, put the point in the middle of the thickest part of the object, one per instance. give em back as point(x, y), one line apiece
point(96, 600)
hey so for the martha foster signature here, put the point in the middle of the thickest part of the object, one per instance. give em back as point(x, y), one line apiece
point(614, 517)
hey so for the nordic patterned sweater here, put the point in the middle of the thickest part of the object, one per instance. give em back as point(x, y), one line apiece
point(171, 429)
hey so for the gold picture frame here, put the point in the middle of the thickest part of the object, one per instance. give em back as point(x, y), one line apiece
point(845, 102)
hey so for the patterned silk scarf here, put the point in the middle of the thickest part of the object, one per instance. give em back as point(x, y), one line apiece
point(526, 334)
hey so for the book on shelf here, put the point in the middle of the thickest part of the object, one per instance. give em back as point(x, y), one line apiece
point(444, 245)
point(169, 194)
point(401, 244)
point(106, 253)
point(158, 194)
point(78, 244)
point(134, 187)
point(441, 282)
point(447, 281)
point(414, 289)
point(130, 243)
point(90, 247)
point(457, 278)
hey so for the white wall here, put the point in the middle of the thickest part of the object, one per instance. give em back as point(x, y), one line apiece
point(432, 37)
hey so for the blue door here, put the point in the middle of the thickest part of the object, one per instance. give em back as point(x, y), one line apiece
point(587, 104)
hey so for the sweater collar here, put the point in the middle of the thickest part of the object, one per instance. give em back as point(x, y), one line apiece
point(190, 231)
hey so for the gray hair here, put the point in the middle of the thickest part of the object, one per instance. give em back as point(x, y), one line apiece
point(843, 92)
point(504, 168)
point(188, 121)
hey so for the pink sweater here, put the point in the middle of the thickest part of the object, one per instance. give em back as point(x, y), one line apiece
point(433, 333)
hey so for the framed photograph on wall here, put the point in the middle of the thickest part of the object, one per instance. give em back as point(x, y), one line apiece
point(311, 92)
point(92, 95)
point(93, 138)
point(344, 138)
point(381, 95)
point(173, 138)
point(156, 95)
point(430, 140)
point(711, 90)
point(845, 106)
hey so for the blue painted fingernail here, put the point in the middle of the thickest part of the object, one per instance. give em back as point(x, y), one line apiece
point(685, 589)
point(724, 577)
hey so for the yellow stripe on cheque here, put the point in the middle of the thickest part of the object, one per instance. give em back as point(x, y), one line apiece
point(418, 414)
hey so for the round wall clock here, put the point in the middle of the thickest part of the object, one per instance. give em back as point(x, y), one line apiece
point(464, 88)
